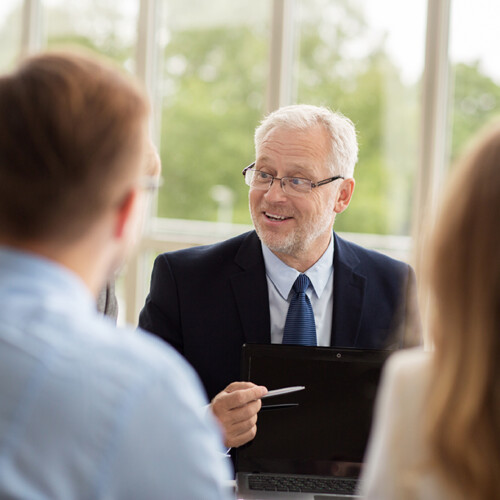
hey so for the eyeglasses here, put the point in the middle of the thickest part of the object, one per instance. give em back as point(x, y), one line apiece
point(150, 183)
point(294, 186)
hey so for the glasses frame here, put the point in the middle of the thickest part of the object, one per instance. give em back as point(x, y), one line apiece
point(150, 183)
point(297, 193)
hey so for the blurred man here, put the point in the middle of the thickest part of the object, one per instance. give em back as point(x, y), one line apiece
point(86, 411)
point(292, 280)
point(107, 302)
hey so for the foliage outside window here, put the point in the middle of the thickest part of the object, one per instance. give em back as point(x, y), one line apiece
point(215, 65)
point(475, 76)
point(213, 70)
point(105, 27)
point(346, 63)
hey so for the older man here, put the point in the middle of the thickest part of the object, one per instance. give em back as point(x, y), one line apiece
point(208, 301)
point(87, 411)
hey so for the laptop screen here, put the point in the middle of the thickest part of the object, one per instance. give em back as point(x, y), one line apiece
point(321, 430)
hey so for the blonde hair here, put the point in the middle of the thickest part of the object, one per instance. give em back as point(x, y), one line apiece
point(463, 413)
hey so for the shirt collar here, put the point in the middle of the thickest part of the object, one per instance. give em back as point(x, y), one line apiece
point(28, 274)
point(283, 277)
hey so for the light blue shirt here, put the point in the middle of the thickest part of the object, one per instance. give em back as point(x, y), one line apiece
point(88, 411)
point(280, 280)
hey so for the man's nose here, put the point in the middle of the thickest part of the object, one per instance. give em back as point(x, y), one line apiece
point(275, 192)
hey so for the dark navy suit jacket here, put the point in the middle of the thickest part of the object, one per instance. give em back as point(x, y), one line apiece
point(208, 301)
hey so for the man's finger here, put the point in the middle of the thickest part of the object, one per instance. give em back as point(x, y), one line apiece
point(242, 438)
point(239, 428)
point(230, 400)
point(236, 386)
point(241, 414)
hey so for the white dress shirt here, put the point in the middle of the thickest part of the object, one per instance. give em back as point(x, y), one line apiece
point(280, 280)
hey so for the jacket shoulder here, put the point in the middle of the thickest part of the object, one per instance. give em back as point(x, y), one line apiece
point(358, 256)
point(200, 256)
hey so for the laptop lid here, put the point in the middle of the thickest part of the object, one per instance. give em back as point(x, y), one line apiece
point(321, 430)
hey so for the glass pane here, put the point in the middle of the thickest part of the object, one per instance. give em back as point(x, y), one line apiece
point(214, 65)
point(10, 32)
point(474, 43)
point(103, 26)
point(365, 59)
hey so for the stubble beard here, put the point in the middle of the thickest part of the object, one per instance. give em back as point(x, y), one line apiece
point(300, 240)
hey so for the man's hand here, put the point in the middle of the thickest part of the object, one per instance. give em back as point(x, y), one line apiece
point(236, 408)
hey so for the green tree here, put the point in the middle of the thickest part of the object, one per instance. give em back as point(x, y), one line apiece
point(213, 84)
point(214, 79)
point(476, 101)
point(369, 91)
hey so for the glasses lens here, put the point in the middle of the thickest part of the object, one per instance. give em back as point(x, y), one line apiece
point(296, 185)
point(258, 179)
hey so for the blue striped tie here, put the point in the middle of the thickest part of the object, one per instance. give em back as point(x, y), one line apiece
point(300, 327)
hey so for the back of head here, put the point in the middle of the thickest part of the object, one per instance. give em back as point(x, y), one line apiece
point(341, 131)
point(464, 277)
point(466, 244)
point(71, 134)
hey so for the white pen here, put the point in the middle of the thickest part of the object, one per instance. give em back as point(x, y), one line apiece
point(284, 390)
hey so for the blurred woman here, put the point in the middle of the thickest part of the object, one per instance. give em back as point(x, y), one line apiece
point(436, 433)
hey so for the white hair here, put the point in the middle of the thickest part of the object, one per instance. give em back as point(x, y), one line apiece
point(343, 142)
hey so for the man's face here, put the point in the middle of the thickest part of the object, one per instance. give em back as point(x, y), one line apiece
point(297, 227)
point(144, 175)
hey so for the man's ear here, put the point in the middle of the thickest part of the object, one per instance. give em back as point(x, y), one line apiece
point(125, 212)
point(344, 195)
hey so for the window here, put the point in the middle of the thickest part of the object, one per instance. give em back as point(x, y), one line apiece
point(106, 27)
point(10, 32)
point(213, 67)
point(365, 59)
point(214, 64)
point(474, 42)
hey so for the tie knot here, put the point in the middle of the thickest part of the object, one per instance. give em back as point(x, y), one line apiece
point(301, 283)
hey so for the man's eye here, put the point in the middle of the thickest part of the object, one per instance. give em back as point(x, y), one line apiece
point(264, 176)
point(296, 181)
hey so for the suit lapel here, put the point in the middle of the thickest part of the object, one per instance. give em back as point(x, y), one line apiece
point(348, 295)
point(250, 290)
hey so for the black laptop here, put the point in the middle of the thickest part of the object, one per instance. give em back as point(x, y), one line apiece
point(310, 444)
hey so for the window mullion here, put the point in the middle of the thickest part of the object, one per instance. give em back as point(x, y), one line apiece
point(281, 53)
point(31, 34)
